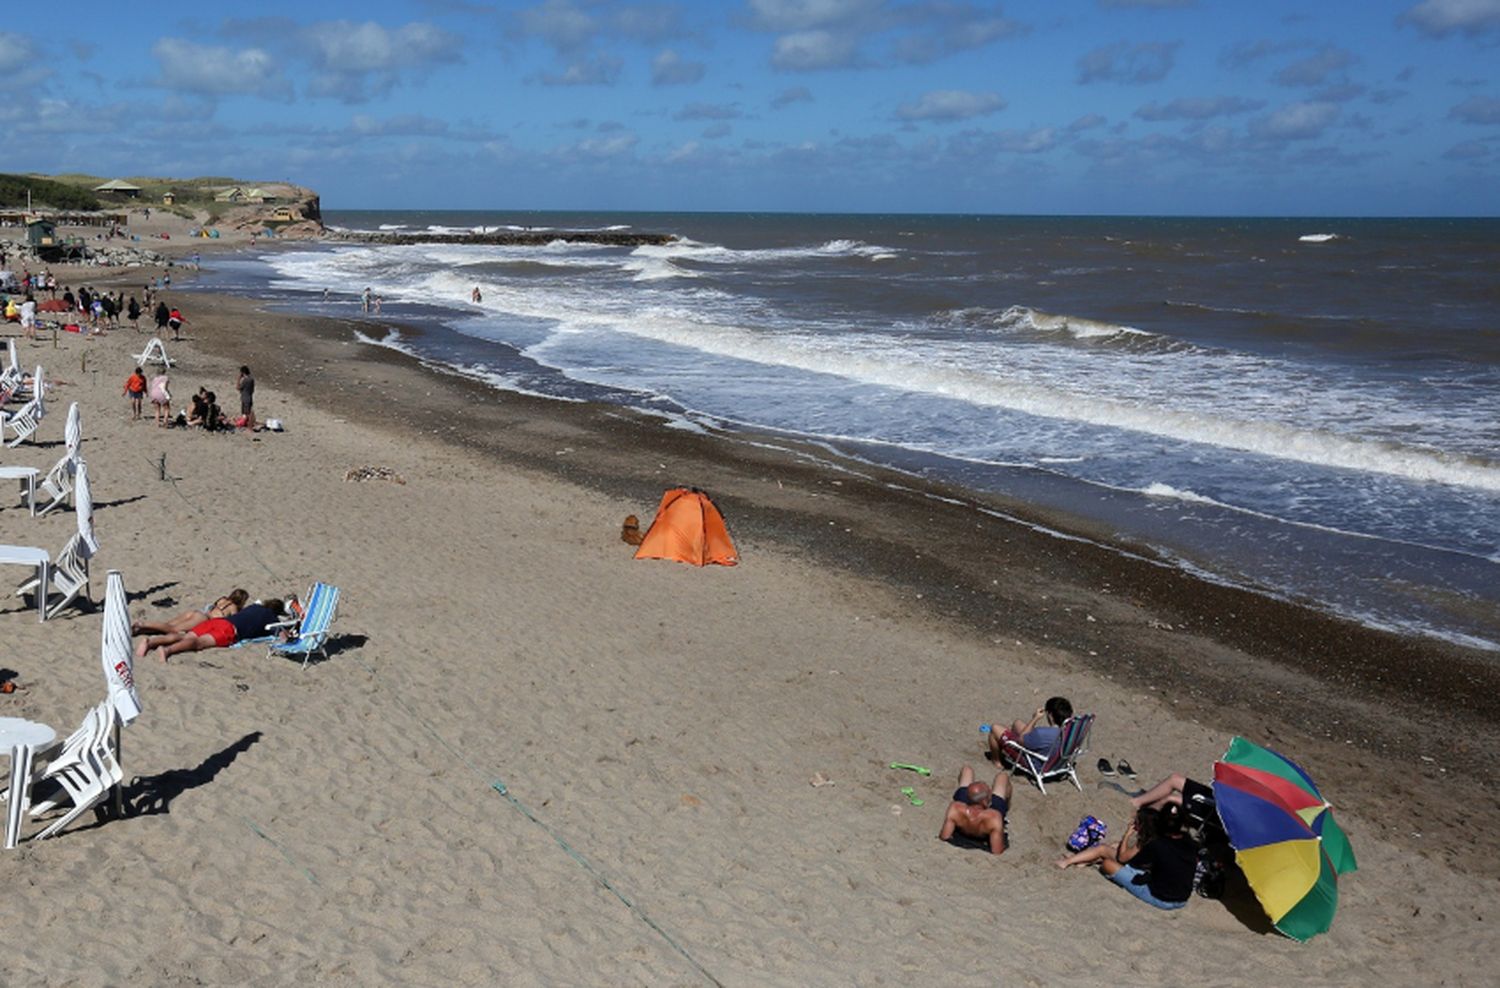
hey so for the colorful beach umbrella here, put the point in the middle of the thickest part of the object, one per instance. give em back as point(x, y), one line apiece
point(1284, 837)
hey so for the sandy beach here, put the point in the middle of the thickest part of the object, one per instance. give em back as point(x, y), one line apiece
point(532, 759)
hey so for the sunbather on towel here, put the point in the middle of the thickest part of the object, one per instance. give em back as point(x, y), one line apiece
point(1037, 734)
point(226, 605)
point(978, 811)
point(251, 621)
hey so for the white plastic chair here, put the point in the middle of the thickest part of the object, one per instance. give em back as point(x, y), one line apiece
point(10, 377)
point(70, 571)
point(155, 353)
point(24, 421)
point(86, 769)
point(58, 484)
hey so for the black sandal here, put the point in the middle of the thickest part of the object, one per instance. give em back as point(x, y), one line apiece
point(1105, 768)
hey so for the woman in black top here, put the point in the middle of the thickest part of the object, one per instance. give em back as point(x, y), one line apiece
point(1154, 861)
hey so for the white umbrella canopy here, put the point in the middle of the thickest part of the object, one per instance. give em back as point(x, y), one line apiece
point(115, 651)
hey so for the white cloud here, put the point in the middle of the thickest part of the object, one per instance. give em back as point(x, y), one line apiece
point(785, 98)
point(808, 50)
point(1197, 108)
point(1124, 62)
point(1482, 110)
point(596, 70)
point(1440, 18)
point(211, 70)
point(1295, 121)
point(950, 104)
point(803, 15)
point(670, 69)
point(16, 52)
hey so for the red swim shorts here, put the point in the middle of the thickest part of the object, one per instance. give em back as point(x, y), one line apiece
point(220, 630)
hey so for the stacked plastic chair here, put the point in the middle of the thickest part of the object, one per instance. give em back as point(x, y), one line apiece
point(87, 769)
point(58, 484)
point(24, 421)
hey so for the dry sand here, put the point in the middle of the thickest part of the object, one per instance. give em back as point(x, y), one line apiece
point(654, 727)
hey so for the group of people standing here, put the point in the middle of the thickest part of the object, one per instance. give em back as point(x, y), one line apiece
point(203, 410)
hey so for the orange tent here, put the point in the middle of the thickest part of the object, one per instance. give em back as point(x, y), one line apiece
point(689, 529)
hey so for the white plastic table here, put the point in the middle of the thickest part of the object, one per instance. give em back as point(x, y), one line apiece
point(40, 560)
point(20, 739)
point(27, 476)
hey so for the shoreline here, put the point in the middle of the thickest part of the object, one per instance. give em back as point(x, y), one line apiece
point(1250, 663)
point(664, 721)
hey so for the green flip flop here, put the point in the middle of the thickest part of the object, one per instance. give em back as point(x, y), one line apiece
point(913, 768)
point(911, 796)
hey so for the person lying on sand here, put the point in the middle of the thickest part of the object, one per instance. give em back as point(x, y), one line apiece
point(978, 811)
point(1037, 734)
point(1154, 861)
point(1195, 799)
point(226, 605)
point(251, 621)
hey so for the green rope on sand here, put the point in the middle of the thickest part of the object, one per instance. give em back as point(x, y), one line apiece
point(274, 843)
point(504, 790)
point(604, 881)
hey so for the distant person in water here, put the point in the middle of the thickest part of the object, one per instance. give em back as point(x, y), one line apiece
point(476, 296)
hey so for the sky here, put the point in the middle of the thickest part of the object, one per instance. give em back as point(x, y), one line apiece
point(1219, 107)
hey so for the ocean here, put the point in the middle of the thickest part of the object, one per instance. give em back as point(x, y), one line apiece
point(1309, 408)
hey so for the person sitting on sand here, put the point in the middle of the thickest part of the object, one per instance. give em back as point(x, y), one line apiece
point(226, 605)
point(1037, 734)
point(978, 811)
point(1195, 799)
point(1154, 861)
point(251, 621)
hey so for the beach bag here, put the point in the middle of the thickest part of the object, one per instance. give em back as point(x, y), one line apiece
point(1091, 831)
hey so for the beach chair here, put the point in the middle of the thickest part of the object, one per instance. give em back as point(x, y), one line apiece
point(24, 420)
point(86, 767)
point(58, 484)
point(10, 377)
point(69, 572)
point(1058, 763)
point(311, 636)
point(155, 353)
point(85, 771)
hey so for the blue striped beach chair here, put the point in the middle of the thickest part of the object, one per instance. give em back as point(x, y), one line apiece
point(1059, 763)
point(311, 636)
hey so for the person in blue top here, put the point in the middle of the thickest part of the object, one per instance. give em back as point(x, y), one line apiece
point(1038, 734)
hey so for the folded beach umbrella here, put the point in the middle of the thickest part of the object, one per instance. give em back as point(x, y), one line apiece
point(1284, 837)
point(115, 652)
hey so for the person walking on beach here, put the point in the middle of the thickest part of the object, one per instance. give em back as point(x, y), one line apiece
point(246, 386)
point(162, 314)
point(175, 320)
point(978, 811)
point(133, 313)
point(135, 390)
point(28, 318)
